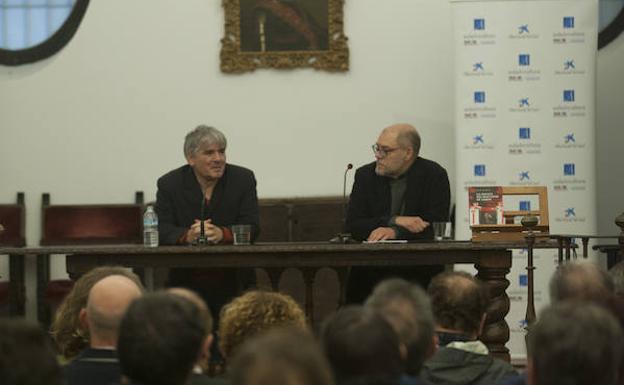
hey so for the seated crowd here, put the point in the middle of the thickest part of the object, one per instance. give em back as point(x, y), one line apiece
point(109, 331)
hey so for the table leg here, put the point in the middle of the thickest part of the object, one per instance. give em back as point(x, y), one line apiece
point(17, 288)
point(492, 270)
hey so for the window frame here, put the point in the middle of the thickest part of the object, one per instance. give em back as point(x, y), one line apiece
point(51, 45)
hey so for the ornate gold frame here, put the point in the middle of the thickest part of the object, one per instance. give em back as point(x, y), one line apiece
point(233, 60)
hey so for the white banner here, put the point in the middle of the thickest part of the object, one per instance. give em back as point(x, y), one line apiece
point(525, 116)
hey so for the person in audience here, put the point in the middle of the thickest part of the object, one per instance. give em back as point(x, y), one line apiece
point(617, 275)
point(398, 196)
point(280, 357)
point(408, 309)
point(459, 303)
point(362, 347)
point(256, 312)
point(26, 355)
point(107, 302)
point(202, 365)
point(68, 333)
point(160, 338)
point(223, 195)
point(583, 282)
point(575, 343)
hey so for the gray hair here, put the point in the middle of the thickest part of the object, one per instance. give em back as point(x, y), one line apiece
point(410, 138)
point(408, 309)
point(582, 282)
point(617, 274)
point(202, 135)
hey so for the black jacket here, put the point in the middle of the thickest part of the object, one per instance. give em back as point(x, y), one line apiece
point(178, 202)
point(428, 196)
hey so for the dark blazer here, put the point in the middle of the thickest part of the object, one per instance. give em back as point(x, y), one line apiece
point(428, 196)
point(178, 202)
point(94, 367)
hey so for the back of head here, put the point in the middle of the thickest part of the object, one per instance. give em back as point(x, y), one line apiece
point(253, 313)
point(617, 275)
point(68, 334)
point(575, 343)
point(26, 355)
point(192, 296)
point(582, 282)
point(361, 345)
point(459, 302)
point(160, 339)
point(408, 309)
point(280, 357)
point(108, 300)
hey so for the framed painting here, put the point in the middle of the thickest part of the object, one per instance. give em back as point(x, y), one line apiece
point(283, 34)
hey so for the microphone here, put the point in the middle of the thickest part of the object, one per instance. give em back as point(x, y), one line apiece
point(344, 237)
point(202, 240)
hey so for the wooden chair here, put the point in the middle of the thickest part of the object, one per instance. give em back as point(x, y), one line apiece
point(87, 224)
point(12, 229)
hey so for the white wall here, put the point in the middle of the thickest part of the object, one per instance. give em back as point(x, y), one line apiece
point(107, 115)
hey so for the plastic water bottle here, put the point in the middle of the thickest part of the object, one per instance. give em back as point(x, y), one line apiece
point(150, 227)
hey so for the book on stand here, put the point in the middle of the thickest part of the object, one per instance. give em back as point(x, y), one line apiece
point(486, 205)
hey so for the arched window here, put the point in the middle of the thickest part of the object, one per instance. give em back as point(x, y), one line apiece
point(31, 30)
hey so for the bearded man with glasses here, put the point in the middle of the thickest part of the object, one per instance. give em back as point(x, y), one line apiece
point(398, 196)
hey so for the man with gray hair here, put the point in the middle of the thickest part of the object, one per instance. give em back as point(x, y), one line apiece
point(408, 309)
point(107, 302)
point(207, 188)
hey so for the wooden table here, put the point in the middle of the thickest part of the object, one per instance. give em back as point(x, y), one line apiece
point(492, 261)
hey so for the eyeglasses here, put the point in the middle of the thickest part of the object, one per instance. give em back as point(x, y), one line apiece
point(382, 152)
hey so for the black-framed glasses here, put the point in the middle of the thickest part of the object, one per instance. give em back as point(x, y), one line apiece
point(382, 152)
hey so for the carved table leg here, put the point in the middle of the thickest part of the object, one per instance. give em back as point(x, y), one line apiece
point(274, 273)
point(492, 270)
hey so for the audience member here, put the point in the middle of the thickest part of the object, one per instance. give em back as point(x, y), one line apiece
point(575, 343)
point(256, 312)
point(582, 282)
point(459, 304)
point(160, 339)
point(408, 309)
point(280, 357)
point(26, 355)
point(617, 275)
point(107, 302)
point(362, 347)
point(201, 366)
point(70, 336)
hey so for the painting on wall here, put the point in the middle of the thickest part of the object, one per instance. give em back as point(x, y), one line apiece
point(284, 34)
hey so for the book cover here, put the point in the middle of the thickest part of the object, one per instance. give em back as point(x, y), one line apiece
point(485, 205)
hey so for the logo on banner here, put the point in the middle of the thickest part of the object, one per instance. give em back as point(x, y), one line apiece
point(479, 109)
point(523, 178)
point(478, 69)
point(524, 133)
point(568, 169)
point(523, 280)
point(478, 139)
point(568, 141)
point(524, 145)
point(569, 106)
point(479, 170)
point(569, 180)
point(524, 205)
point(570, 215)
point(524, 105)
point(524, 72)
point(569, 67)
point(478, 35)
point(478, 143)
point(523, 32)
point(570, 34)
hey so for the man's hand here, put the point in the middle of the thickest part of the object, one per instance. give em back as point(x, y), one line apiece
point(213, 233)
point(381, 233)
point(412, 224)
